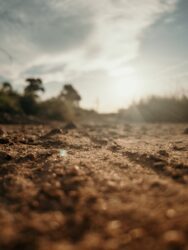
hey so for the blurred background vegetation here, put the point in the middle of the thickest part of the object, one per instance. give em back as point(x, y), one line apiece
point(64, 107)
point(16, 107)
point(157, 109)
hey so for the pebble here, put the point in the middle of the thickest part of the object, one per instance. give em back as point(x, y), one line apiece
point(170, 213)
point(157, 184)
point(70, 125)
point(92, 241)
point(54, 132)
point(30, 157)
point(114, 148)
point(174, 239)
point(186, 131)
point(159, 165)
point(137, 233)
point(4, 140)
point(163, 153)
point(4, 156)
point(74, 171)
point(113, 227)
point(1, 132)
point(176, 148)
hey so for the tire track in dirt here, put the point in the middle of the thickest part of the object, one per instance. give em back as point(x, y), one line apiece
point(98, 197)
point(132, 193)
point(176, 172)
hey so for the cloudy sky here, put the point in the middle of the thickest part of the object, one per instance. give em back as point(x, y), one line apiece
point(113, 51)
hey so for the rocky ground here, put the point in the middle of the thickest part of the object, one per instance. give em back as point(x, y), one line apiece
point(94, 187)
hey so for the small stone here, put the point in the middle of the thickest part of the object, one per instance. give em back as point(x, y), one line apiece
point(170, 213)
point(4, 156)
point(101, 141)
point(102, 204)
point(30, 157)
point(113, 226)
point(57, 184)
point(1, 132)
point(115, 148)
point(92, 241)
point(186, 131)
point(177, 148)
point(163, 153)
point(159, 165)
point(62, 152)
point(4, 140)
point(73, 171)
point(70, 125)
point(54, 131)
point(174, 239)
point(137, 233)
point(31, 139)
point(157, 184)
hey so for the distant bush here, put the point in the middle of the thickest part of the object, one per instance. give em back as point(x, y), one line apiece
point(70, 95)
point(29, 105)
point(9, 100)
point(64, 107)
point(158, 109)
point(56, 109)
point(9, 105)
point(29, 101)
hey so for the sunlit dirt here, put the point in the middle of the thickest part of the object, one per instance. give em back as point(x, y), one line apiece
point(100, 187)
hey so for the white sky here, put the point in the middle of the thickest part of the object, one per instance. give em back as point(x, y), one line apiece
point(113, 51)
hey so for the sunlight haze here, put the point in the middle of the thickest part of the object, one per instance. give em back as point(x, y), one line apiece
point(113, 51)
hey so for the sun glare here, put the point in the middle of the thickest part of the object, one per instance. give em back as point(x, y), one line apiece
point(128, 87)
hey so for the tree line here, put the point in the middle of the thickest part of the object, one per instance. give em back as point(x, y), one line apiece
point(62, 107)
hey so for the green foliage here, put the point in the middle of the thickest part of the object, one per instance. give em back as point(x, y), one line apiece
point(29, 105)
point(29, 102)
point(9, 105)
point(9, 100)
point(6, 88)
point(57, 109)
point(70, 95)
point(34, 86)
point(62, 107)
point(66, 105)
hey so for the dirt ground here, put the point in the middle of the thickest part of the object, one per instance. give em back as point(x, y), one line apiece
point(94, 187)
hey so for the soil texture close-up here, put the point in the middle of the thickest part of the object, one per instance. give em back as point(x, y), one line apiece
point(94, 187)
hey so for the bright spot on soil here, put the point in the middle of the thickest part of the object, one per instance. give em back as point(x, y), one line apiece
point(63, 152)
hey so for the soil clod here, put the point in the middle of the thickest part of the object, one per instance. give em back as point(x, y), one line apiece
point(70, 125)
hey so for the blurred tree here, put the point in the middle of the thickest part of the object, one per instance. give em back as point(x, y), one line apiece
point(56, 109)
point(9, 99)
point(6, 88)
point(70, 95)
point(34, 85)
point(29, 102)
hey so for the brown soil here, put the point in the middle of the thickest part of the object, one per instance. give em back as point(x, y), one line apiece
point(94, 187)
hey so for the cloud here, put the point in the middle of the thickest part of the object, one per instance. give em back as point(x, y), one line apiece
point(44, 69)
point(31, 29)
point(84, 35)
